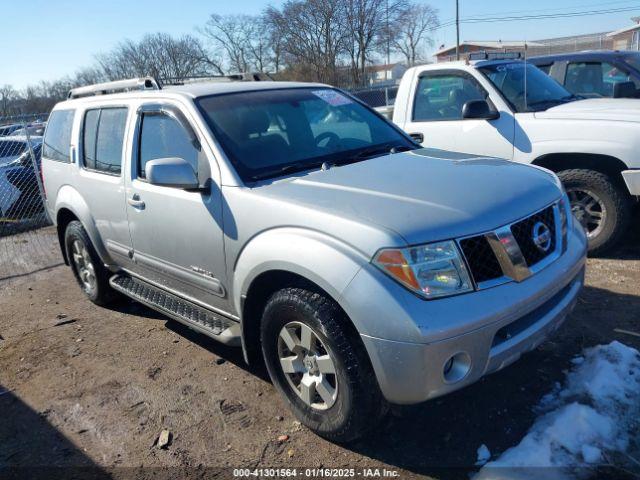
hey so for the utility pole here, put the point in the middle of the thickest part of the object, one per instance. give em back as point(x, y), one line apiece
point(457, 29)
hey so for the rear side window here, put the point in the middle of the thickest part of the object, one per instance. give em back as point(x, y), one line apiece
point(103, 139)
point(163, 137)
point(57, 140)
point(545, 68)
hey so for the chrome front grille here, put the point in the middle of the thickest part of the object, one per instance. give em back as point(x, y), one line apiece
point(510, 252)
point(522, 232)
point(482, 261)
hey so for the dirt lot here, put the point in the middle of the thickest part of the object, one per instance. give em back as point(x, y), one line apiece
point(87, 386)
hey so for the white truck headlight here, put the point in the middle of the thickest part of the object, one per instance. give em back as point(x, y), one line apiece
point(433, 270)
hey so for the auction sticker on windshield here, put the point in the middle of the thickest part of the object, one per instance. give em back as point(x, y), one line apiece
point(332, 97)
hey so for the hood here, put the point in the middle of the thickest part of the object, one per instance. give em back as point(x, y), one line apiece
point(616, 109)
point(423, 196)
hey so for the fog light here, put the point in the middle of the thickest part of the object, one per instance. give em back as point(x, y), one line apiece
point(457, 367)
point(447, 366)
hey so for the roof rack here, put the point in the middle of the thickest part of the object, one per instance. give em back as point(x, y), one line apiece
point(150, 83)
point(484, 55)
point(235, 77)
point(143, 83)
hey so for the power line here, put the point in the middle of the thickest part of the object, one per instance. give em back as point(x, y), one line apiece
point(512, 18)
point(548, 16)
point(549, 10)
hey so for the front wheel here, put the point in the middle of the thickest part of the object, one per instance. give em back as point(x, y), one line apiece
point(319, 365)
point(599, 204)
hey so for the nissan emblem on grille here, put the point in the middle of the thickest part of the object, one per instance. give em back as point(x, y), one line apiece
point(542, 236)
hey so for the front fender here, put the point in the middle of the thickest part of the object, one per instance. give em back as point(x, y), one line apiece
point(69, 198)
point(621, 151)
point(318, 257)
point(537, 137)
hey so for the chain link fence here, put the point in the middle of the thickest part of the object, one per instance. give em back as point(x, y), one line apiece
point(375, 96)
point(28, 242)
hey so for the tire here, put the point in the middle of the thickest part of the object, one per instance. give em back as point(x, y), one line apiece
point(611, 200)
point(97, 288)
point(358, 404)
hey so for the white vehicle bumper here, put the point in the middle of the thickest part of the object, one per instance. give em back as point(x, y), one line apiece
point(632, 179)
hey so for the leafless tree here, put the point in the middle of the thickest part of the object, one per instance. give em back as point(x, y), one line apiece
point(313, 34)
point(158, 55)
point(331, 41)
point(7, 95)
point(259, 44)
point(411, 31)
point(231, 34)
point(247, 42)
point(366, 23)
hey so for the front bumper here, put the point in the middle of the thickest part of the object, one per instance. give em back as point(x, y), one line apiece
point(409, 340)
point(632, 179)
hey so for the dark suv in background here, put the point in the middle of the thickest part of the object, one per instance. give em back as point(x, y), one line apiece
point(596, 73)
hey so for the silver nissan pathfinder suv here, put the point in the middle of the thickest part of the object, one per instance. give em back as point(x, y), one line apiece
point(293, 220)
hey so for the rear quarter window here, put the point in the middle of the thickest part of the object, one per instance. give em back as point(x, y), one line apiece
point(57, 139)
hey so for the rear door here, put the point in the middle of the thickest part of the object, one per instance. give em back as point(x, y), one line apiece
point(177, 234)
point(435, 115)
point(101, 153)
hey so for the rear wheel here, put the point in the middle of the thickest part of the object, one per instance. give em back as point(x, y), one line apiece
point(87, 267)
point(319, 365)
point(599, 204)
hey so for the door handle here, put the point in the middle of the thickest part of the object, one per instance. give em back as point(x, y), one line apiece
point(135, 201)
point(418, 137)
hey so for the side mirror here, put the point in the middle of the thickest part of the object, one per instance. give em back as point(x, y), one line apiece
point(479, 110)
point(624, 90)
point(171, 172)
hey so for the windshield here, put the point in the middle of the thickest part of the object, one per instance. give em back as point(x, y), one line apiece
point(273, 132)
point(533, 92)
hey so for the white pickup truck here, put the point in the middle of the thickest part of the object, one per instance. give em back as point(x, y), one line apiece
point(492, 108)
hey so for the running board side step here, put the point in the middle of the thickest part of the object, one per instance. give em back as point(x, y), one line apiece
point(194, 316)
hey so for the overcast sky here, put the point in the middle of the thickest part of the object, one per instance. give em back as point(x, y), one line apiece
point(48, 39)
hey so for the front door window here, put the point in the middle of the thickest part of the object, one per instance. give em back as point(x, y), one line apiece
point(441, 97)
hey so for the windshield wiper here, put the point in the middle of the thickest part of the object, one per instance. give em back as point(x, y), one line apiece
point(364, 154)
point(291, 168)
point(371, 152)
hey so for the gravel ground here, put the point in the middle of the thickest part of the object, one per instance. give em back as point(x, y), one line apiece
point(83, 386)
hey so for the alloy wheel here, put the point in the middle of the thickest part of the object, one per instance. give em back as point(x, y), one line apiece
point(589, 210)
point(307, 365)
point(84, 266)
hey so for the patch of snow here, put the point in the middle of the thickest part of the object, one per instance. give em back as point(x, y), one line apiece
point(484, 455)
point(592, 413)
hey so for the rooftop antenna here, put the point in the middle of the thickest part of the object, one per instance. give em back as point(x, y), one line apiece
point(526, 101)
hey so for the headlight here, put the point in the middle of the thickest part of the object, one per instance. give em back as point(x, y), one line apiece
point(433, 270)
point(566, 218)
